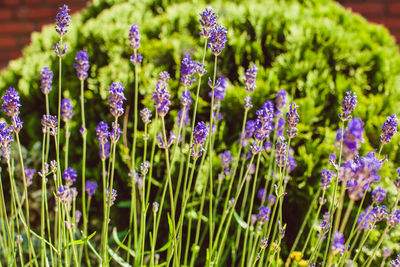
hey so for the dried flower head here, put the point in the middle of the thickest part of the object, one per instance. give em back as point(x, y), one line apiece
point(50, 124)
point(145, 114)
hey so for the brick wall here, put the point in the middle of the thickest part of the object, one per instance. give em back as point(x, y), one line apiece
point(19, 18)
point(385, 12)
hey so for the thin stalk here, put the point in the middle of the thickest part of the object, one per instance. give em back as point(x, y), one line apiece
point(347, 215)
point(11, 244)
point(42, 217)
point(143, 221)
point(153, 147)
point(371, 257)
point(48, 138)
point(300, 232)
point(74, 253)
point(210, 219)
point(363, 240)
point(135, 114)
point(153, 244)
point(67, 135)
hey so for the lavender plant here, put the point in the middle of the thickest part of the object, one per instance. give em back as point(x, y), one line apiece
point(240, 221)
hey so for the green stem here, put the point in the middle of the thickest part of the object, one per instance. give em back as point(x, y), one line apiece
point(347, 215)
point(371, 257)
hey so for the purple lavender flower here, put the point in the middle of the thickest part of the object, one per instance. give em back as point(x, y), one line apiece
point(200, 69)
point(64, 194)
point(263, 214)
point(115, 99)
point(102, 132)
point(50, 124)
point(255, 148)
point(291, 163)
point(292, 118)
point(380, 212)
point(326, 178)
point(70, 176)
point(90, 187)
point(348, 105)
point(386, 253)
point(250, 79)
point(161, 95)
point(280, 126)
point(338, 243)
point(367, 219)
point(188, 69)
point(226, 159)
point(145, 114)
point(47, 79)
point(264, 122)
point(280, 101)
point(249, 130)
point(389, 128)
point(136, 59)
point(113, 196)
point(281, 148)
point(82, 65)
point(186, 99)
point(397, 181)
point(11, 103)
point(115, 132)
point(261, 194)
point(395, 262)
point(264, 243)
point(6, 137)
point(59, 50)
point(62, 20)
point(247, 103)
point(325, 225)
point(134, 36)
point(170, 141)
point(66, 109)
point(185, 119)
point(352, 138)
point(16, 124)
point(104, 150)
point(208, 22)
point(394, 218)
point(200, 133)
point(220, 89)
point(378, 195)
point(217, 39)
point(29, 173)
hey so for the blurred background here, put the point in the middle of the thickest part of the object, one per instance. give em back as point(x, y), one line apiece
point(19, 18)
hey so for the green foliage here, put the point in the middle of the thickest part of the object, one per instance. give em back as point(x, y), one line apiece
point(316, 50)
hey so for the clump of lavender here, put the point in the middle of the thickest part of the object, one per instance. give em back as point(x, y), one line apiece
point(378, 195)
point(218, 39)
point(161, 95)
point(82, 64)
point(338, 243)
point(69, 176)
point(292, 118)
point(208, 21)
point(348, 105)
point(47, 79)
point(62, 20)
point(250, 79)
point(188, 69)
point(352, 138)
point(66, 109)
point(49, 124)
point(145, 114)
point(115, 99)
point(200, 134)
point(29, 173)
point(389, 128)
point(90, 188)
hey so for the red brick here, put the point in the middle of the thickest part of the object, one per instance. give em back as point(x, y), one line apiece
point(32, 1)
point(367, 8)
point(81, 2)
point(6, 14)
point(36, 13)
point(391, 23)
point(10, 2)
point(16, 27)
point(397, 37)
point(6, 42)
point(15, 54)
point(394, 8)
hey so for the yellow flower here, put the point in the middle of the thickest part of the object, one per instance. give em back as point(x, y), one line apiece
point(296, 254)
point(303, 263)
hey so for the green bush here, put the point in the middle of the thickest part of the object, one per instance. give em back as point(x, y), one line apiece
point(316, 50)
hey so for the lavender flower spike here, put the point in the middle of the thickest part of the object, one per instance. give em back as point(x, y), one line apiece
point(200, 133)
point(47, 79)
point(280, 101)
point(389, 128)
point(145, 114)
point(338, 243)
point(6, 137)
point(186, 99)
point(250, 79)
point(134, 36)
point(50, 124)
point(62, 20)
point(161, 95)
point(116, 98)
point(348, 105)
point(66, 109)
point(217, 39)
point(188, 69)
point(90, 187)
point(11, 103)
point(70, 176)
point(82, 65)
point(292, 118)
point(29, 173)
point(208, 22)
